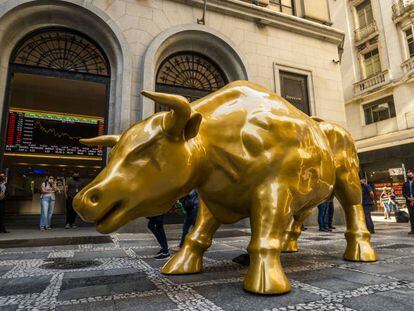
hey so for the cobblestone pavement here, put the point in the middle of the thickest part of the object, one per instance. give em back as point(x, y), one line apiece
point(123, 276)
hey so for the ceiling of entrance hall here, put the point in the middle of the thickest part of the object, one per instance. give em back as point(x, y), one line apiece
point(35, 92)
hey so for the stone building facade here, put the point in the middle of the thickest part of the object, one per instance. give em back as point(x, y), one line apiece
point(377, 74)
point(287, 46)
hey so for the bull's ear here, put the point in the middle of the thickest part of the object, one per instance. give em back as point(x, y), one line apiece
point(105, 140)
point(175, 121)
point(192, 126)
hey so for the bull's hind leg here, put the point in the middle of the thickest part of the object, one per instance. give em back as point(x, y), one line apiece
point(290, 239)
point(348, 192)
point(190, 257)
point(269, 217)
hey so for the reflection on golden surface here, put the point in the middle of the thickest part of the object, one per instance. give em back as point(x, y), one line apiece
point(249, 153)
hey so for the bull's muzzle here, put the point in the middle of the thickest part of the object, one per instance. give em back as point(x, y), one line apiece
point(88, 204)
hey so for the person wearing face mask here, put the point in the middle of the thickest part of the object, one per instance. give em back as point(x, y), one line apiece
point(73, 186)
point(408, 193)
point(367, 204)
point(2, 202)
point(47, 202)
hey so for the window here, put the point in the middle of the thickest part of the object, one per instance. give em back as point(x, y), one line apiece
point(189, 74)
point(410, 40)
point(379, 110)
point(372, 64)
point(63, 50)
point(284, 6)
point(294, 88)
point(364, 12)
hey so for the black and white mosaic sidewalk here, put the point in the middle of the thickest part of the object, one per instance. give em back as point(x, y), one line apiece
point(123, 276)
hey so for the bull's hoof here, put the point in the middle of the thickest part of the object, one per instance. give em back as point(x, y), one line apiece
point(290, 247)
point(266, 277)
point(360, 251)
point(184, 262)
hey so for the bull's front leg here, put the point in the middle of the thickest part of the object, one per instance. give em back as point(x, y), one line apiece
point(269, 217)
point(190, 257)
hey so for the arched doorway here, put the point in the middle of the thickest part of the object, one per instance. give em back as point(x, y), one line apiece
point(199, 41)
point(189, 74)
point(57, 93)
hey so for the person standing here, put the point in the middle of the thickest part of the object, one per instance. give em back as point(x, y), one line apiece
point(393, 201)
point(73, 186)
point(322, 217)
point(47, 202)
point(330, 213)
point(385, 203)
point(408, 193)
point(191, 209)
point(2, 203)
point(367, 204)
point(156, 226)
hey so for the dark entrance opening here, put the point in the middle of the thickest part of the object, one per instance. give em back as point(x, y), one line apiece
point(57, 93)
point(387, 168)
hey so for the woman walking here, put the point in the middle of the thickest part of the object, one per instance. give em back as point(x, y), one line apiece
point(47, 202)
point(385, 203)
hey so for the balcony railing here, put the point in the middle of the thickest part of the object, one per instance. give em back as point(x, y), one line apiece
point(372, 83)
point(401, 7)
point(408, 66)
point(364, 33)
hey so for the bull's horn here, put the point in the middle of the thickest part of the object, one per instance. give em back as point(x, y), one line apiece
point(105, 140)
point(175, 121)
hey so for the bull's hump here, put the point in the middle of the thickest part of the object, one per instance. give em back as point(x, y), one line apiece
point(239, 95)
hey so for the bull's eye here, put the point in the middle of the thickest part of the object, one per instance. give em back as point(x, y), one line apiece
point(155, 162)
point(142, 154)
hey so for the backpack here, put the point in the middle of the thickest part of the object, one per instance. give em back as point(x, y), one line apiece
point(402, 217)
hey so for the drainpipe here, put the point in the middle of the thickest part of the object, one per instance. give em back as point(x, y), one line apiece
point(202, 20)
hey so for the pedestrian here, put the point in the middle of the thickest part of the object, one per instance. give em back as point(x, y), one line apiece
point(322, 217)
point(190, 204)
point(408, 193)
point(367, 204)
point(156, 225)
point(47, 202)
point(2, 203)
point(385, 203)
point(73, 186)
point(330, 213)
point(393, 201)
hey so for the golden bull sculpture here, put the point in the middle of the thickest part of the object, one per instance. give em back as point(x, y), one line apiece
point(249, 153)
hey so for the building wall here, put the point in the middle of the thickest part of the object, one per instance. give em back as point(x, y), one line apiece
point(139, 22)
point(392, 49)
point(261, 47)
point(384, 146)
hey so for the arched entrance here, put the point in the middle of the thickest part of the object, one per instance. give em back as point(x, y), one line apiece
point(203, 45)
point(57, 93)
point(189, 74)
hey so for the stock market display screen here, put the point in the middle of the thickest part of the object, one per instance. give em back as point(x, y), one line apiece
point(38, 132)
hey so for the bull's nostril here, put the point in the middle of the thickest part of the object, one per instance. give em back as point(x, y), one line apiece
point(94, 199)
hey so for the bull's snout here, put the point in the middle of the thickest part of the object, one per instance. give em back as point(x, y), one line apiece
point(88, 204)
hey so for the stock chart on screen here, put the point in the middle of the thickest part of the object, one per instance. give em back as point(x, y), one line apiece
point(46, 133)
